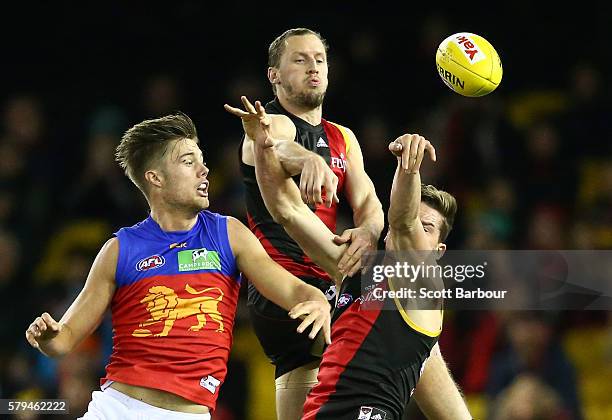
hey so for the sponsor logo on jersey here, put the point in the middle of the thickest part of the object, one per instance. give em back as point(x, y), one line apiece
point(165, 307)
point(339, 162)
point(149, 263)
point(198, 259)
point(331, 292)
point(178, 245)
point(210, 383)
point(321, 143)
point(364, 413)
point(371, 413)
point(470, 49)
point(344, 299)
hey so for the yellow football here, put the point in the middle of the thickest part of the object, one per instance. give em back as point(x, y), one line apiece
point(468, 64)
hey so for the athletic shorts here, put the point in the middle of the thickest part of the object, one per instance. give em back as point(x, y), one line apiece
point(111, 404)
point(276, 331)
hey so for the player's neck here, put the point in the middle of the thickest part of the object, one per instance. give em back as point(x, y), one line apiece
point(312, 116)
point(173, 220)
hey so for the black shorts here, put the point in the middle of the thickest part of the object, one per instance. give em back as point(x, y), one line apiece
point(365, 411)
point(276, 331)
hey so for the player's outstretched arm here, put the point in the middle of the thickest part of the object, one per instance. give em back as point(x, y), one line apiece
point(405, 228)
point(436, 393)
point(368, 215)
point(315, 174)
point(284, 202)
point(55, 338)
point(277, 284)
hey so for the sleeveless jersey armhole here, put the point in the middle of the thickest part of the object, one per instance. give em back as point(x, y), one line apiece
point(411, 323)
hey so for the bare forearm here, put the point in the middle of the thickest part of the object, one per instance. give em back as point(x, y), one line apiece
point(437, 394)
point(60, 345)
point(278, 190)
point(283, 201)
point(293, 156)
point(405, 199)
point(287, 291)
point(370, 215)
point(305, 292)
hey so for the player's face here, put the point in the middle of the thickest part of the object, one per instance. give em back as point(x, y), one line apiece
point(185, 176)
point(432, 220)
point(302, 73)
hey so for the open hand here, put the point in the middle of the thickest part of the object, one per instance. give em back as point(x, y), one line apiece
point(255, 121)
point(315, 312)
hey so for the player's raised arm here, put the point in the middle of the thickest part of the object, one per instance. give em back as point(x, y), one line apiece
point(368, 215)
point(277, 284)
point(315, 174)
point(283, 199)
point(56, 339)
point(406, 231)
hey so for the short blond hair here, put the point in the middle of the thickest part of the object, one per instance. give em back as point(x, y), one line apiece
point(444, 203)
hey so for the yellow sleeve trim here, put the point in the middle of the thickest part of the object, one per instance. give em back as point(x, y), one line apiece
point(345, 135)
point(410, 322)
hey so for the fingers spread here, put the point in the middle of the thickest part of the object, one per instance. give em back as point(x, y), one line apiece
point(235, 111)
point(247, 104)
point(306, 322)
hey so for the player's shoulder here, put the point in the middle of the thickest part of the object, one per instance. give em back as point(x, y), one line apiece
point(346, 132)
point(283, 127)
point(137, 229)
point(339, 126)
point(234, 223)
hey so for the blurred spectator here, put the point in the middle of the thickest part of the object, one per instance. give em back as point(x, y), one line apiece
point(545, 229)
point(101, 189)
point(545, 177)
point(161, 96)
point(528, 398)
point(534, 348)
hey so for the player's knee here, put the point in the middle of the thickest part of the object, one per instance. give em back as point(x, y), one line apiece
point(303, 377)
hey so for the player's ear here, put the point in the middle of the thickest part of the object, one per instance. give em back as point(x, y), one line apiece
point(273, 75)
point(154, 177)
point(440, 250)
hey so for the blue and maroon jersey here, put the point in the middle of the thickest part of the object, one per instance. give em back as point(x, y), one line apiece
point(330, 141)
point(173, 309)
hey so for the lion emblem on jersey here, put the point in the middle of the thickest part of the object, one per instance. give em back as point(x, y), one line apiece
point(164, 306)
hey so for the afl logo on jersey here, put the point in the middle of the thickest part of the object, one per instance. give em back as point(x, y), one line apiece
point(149, 263)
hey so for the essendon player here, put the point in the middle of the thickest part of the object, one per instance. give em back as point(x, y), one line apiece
point(376, 358)
point(172, 284)
point(321, 154)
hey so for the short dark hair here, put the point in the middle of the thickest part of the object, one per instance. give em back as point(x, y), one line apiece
point(277, 47)
point(444, 203)
point(147, 142)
